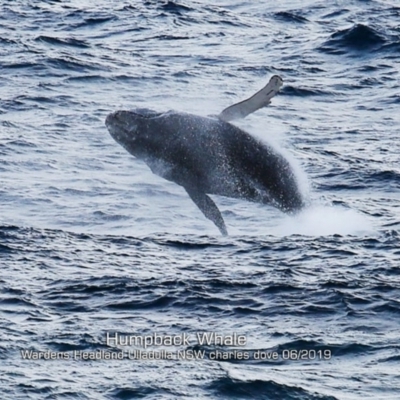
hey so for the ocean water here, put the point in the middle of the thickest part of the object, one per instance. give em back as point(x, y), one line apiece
point(96, 249)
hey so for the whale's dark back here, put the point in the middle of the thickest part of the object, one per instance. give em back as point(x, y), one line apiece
point(215, 157)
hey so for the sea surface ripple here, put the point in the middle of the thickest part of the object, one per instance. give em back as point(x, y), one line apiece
point(93, 244)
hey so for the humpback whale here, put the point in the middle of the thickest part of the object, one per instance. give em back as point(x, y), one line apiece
point(211, 156)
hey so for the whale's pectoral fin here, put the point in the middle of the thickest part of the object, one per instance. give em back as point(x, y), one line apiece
point(207, 207)
point(261, 99)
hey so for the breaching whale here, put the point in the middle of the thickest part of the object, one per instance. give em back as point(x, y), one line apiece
point(209, 155)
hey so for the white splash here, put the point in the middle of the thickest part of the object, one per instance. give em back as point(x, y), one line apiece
point(320, 220)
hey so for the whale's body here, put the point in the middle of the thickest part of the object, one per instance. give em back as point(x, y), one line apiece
point(207, 156)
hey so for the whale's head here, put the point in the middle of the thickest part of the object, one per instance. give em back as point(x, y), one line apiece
point(132, 129)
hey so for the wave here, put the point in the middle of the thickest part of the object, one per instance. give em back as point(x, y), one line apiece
point(287, 16)
point(174, 7)
point(265, 389)
point(357, 38)
point(63, 42)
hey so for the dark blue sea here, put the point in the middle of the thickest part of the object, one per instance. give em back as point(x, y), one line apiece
point(111, 277)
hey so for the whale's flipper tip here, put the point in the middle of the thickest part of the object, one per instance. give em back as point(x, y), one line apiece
point(208, 208)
